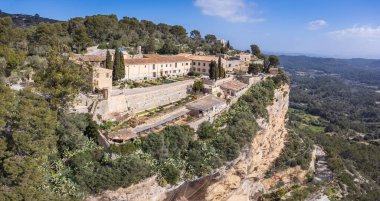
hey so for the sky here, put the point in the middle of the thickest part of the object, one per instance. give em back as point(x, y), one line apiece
point(328, 28)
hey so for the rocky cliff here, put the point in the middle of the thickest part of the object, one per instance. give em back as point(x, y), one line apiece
point(240, 180)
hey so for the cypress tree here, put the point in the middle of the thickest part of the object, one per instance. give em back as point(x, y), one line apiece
point(220, 68)
point(109, 64)
point(213, 71)
point(121, 70)
point(116, 65)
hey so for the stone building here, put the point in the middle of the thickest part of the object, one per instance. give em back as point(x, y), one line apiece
point(201, 64)
point(101, 78)
point(207, 106)
point(244, 57)
point(233, 88)
point(156, 66)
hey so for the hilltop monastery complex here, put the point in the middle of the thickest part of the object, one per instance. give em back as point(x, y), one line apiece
point(110, 102)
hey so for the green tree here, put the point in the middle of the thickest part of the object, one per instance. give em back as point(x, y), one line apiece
point(213, 71)
point(121, 69)
point(169, 48)
point(178, 31)
point(61, 81)
point(80, 39)
point(198, 86)
point(195, 34)
point(206, 131)
point(228, 45)
point(255, 68)
point(255, 50)
point(221, 70)
point(210, 38)
point(150, 47)
point(116, 65)
point(109, 64)
point(273, 60)
point(7, 102)
point(5, 30)
point(31, 142)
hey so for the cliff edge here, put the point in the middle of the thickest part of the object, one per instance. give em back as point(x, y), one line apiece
point(241, 180)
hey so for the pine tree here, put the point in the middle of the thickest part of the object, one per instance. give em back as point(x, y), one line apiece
point(121, 70)
point(116, 65)
point(109, 60)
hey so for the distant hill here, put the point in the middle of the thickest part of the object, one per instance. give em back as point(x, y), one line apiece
point(361, 70)
point(22, 20)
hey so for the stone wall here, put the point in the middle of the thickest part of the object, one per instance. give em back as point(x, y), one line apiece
point(141, 99)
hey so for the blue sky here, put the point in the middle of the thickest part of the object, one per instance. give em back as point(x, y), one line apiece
point(336, 28)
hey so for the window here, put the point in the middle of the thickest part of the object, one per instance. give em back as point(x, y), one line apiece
point(199, 63)
point(107, 75)
point(154, 66)
point(97, 75)
point(187, 64)
point(193, 63)
point(154, 74)
point(176, 65)
point(229, 65)
point(199, 69)
point(166, 65)
point(204, 64)
point(204, 70)
point(174, 71)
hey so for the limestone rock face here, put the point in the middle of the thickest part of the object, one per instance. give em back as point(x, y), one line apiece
point(241, 180)
point(266, 147)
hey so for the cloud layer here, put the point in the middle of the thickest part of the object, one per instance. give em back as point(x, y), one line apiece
point(230, 10)
point(317, 24)
point(359, 32)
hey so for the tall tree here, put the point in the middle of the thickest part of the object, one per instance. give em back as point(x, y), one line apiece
point(210, 38)
point(109, 64)
point(116, 65)
point(255, 69)
point(121, 70)
point(81, 39)
point(221, 73)
point(273, 60)
point(228, 45)
point(255, 50)
point(150, 46)
point(61, 81)
point(32, 141)
point(195, 34)
point(213, 71)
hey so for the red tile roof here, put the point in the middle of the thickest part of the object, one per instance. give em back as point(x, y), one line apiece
point(153, 59)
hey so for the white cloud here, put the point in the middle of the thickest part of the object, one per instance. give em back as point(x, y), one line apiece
point(230, 10)
point(317, 24)
point(358, 32)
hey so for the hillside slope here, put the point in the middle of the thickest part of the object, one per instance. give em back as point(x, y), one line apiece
point(240, 180)
point(22, 20)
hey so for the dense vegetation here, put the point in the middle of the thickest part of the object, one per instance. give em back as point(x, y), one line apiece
point(338, 111)
point(47, 154)
point(359, 70)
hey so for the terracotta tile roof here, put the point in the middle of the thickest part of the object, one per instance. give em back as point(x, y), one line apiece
point(153, 59)
point(233, 85)
point(203, 58)
point(89, 58)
